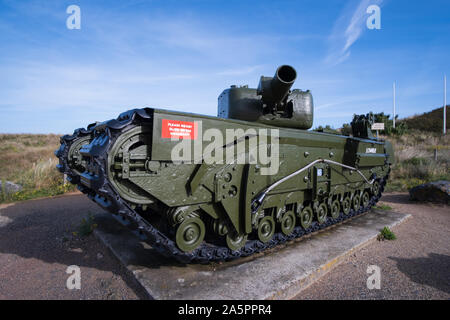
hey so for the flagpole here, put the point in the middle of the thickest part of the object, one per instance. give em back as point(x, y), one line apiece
point(445, 103)
point(393, 89)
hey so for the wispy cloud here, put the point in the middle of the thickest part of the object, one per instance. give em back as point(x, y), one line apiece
point(347, 29)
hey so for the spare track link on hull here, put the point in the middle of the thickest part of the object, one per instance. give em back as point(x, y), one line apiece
point(101, 191)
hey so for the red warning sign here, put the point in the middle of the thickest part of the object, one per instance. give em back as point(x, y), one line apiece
point(178, 129)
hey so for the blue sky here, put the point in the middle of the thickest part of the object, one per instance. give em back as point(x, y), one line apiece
point(180, 55)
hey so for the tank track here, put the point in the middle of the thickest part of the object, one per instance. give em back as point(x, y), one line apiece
point(62, 152)
point(102, 192)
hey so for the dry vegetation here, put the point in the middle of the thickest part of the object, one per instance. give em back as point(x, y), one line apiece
point(415, 159)
point(428, 121)
point(28, 160)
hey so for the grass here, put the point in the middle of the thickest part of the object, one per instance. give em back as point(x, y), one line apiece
point(86, 226)
point(415, 161)
point(386, 234)
point(382, 207)
point(28, 160)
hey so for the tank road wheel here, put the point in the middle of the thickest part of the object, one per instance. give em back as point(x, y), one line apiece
point(346, 205)
point(376, 188)
point(365, 199)
point(356, 202)
point(306, 217)
point(288, 222)
point(266, 229)
point(321, 213)
point(190, 233)
point(335, 209)
point(235, 241)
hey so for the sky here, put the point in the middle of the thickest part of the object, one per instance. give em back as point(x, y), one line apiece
point(180, 55)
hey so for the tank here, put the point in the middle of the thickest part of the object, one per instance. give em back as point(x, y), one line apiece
point(201, 188)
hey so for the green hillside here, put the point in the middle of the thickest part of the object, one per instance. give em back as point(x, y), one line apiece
point(428, 122)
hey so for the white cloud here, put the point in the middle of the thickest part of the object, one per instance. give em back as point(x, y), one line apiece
point(347, 29)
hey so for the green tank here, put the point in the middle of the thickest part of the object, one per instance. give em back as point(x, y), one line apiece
point(202, 188)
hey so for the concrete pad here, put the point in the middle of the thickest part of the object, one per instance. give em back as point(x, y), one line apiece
point(280, 273)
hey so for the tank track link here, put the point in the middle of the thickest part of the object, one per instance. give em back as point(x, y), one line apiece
point(101, 191)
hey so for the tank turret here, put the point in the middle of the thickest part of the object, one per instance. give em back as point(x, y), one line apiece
point(271, 103)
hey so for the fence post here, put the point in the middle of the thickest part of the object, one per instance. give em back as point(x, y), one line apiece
point(435, 153)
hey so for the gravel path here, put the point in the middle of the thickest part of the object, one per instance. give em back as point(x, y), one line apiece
point(37, 245)
point(415, 266)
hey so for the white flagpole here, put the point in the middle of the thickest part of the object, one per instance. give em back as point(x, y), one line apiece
point(393, 88)
point(445, 103)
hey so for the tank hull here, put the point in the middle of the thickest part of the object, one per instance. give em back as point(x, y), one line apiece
point(130, 171)
point(203, 188)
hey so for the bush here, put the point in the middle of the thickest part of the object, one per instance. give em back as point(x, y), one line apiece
point(87, 226)
point(346, 129)
point(386, 234)
point(400, 127)
point(326, 129)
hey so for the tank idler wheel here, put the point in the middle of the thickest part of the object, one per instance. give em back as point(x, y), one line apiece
point(266, 229)
point(288, 222)
point(335, 209)
point(306, 217)
point(321, 213)
point(356, 202)
point(365, 199)
point(235, 241)
point(190, 233)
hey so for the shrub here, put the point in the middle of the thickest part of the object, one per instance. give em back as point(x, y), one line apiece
point(87, 226)
point(386, 234)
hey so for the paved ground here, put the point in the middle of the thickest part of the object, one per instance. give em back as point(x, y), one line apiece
point(415, 266)
point(37, 246)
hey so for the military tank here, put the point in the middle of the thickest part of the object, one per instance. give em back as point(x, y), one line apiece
point(201, 188)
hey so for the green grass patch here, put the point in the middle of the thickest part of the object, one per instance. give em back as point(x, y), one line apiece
point(383, 207)
point(30, 193)
point(386, 234)
point(86, 226)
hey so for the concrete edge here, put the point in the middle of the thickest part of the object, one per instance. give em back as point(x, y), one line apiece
point(292, 289)
point(133, 274)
